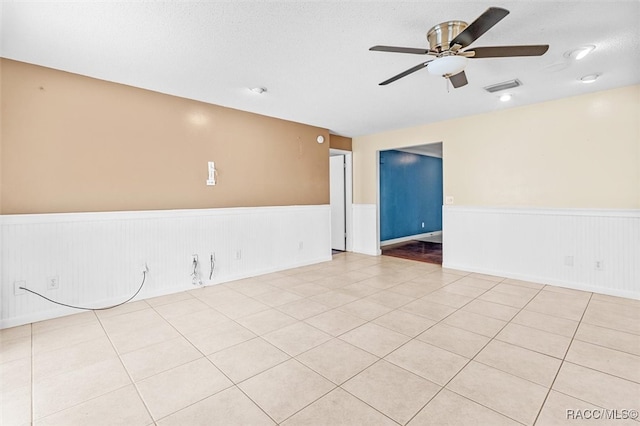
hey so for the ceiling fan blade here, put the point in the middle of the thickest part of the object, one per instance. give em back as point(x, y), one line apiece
point(481, 25)
point(507, 51)
point(396, 49)
point(458, 80)
point(404, 73)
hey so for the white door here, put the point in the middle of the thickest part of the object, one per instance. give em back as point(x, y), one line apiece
point(337, 201)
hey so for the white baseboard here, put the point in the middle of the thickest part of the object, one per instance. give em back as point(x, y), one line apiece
point(544, 281)
point(409, 238)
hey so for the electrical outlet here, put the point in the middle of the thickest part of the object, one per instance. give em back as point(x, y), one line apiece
point(568, 261)
point(423, 224)
point(599, 265)
point(53, 283)
point(145, 268)
point(16, 287)
point(300, 245)
point(238, 254)
point(194, 258)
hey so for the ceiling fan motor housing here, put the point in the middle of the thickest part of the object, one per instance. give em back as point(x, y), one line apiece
point(440, 36)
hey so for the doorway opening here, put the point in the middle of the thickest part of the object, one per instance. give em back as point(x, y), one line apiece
point(340, 200)
point(410, 202)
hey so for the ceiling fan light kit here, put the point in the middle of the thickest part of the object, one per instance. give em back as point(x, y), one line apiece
point(447, 65)
point(448, 41)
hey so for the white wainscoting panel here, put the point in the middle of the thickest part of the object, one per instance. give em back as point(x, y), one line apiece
point(550, 246)
point(365, 233)
point(99, 257)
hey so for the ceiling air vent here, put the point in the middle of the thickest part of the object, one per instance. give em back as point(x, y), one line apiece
point(503, 86)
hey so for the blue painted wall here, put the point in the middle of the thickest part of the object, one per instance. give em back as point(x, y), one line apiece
point(410, 193)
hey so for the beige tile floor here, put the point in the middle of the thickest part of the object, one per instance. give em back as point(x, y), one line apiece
point(356, 341)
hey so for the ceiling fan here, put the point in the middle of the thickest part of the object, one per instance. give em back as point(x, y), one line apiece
point(447, 41)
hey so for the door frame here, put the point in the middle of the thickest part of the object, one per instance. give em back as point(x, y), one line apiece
point(348, 194)
point(379, 200)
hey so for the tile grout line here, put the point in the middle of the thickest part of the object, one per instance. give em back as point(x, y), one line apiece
point(338, 308)
point(233, 383)
point(523, 309)
point(471, 359)
point(293, 357)
point(310, 403)
point(493, 338)
point(437, 322)
point(601, 372)
point(78, 403)
point(606, 347)
point(337, 337)
point(612, 329)
point(580, 399)
point(469, 362)
point(354, 396)
point(397, 308)
point(563, 360)
point(125, 368)
point(410, 339)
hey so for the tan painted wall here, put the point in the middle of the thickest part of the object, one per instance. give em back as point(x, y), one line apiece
point(76, 144)
point(579, 152)
point(340, 142)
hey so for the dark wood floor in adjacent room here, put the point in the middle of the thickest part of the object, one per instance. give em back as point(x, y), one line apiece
point(421, 251)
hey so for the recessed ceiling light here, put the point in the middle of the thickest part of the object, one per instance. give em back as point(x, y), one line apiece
point(505, 98)
point(258, 90)
point(580, 52)
point(589, 78)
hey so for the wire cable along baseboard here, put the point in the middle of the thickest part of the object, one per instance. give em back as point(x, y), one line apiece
point(144, 278)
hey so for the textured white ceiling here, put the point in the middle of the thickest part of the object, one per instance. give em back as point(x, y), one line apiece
point(313, 56)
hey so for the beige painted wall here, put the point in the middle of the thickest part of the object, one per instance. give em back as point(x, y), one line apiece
point(579, 152)
point(75, 144)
